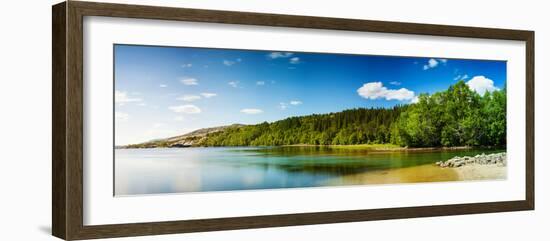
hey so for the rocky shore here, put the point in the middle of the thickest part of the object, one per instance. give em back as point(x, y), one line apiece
point(482, 159)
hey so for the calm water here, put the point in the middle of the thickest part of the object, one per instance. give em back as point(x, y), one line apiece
point(177, 170)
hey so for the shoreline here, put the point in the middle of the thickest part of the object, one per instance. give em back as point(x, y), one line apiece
point(371, 147)
point(479, 167)
point(424, 173)
point(390, 147)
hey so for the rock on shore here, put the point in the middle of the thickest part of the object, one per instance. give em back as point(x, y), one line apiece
point(482, 159)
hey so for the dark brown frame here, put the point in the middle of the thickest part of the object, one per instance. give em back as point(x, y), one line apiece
point(67, 123)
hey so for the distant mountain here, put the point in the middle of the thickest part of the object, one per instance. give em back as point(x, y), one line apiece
point(194, 138)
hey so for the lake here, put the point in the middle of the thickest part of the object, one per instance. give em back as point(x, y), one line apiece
point(200, 169)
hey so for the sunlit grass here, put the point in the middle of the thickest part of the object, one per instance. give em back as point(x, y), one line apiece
point(368, 147)
point(359, 146)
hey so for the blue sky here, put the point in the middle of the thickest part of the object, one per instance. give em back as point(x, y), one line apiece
point(166, 91)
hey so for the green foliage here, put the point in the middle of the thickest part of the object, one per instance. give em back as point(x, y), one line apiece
point(355, 126)
point(455, 117)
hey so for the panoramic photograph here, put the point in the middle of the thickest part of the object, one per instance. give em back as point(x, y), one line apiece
point(191, 119)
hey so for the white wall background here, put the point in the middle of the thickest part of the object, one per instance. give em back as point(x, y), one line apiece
point(25, 122)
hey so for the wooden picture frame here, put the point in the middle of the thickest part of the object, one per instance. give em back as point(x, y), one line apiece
point(67, 124)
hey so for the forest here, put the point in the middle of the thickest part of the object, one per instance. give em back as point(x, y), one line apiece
point(457, 116)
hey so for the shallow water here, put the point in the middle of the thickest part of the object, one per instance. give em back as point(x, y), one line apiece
point(179, 170)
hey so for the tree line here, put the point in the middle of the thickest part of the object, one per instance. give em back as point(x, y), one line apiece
point(457, 116)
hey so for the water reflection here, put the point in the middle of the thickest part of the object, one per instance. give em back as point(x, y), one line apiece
point(150, 171)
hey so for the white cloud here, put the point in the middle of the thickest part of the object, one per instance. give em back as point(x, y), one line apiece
point(375, 90)
point(122, 97)
point(179, 118)
point(276, 55)
point(251, 111)
point(208, 95)
point(461, 77)
point(415, 99)
point(294, 60)
point(186, 109)
point(186, 65)
point(233, 84)
point(231, 62)
point(260, 82)
point(121, 116)
point(432, 63)
point(163, 86)
point(189, 81)
point(283, 106)
point(189, 97)
point(480, 84)
point(228, 62)
point(395, 83)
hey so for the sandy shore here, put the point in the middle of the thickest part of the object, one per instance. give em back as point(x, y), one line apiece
point(481, 172)
point(425, 173)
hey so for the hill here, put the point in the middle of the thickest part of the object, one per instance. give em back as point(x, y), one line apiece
point(193, 138)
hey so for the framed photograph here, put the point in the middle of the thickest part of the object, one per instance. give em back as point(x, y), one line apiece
point(171, 120)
